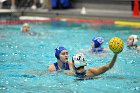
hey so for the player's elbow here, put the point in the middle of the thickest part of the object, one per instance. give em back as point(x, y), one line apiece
point(107, 67)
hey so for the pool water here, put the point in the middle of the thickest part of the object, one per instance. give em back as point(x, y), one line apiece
point(24, 59)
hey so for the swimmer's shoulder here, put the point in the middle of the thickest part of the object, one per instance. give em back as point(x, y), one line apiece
point(70, 65)
point(51, 67)
point(32, 33)
point(91, 72)
point(69, 72)
point(138, 47)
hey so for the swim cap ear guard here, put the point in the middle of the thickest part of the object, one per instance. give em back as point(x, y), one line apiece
point(98, 41)
point(79, 60)
point(58, 51)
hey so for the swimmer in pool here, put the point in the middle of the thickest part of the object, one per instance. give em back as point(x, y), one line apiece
point(132, 42)
point(62, 63)
point(79, 63)
point(26, 29)
point(96, 47)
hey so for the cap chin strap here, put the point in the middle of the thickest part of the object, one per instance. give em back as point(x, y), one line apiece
point(132, 46)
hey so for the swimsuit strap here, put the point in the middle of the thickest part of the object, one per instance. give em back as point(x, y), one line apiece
point(67, 66)
point(56, 66)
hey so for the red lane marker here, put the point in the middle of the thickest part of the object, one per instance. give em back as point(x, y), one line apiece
point(57, 19)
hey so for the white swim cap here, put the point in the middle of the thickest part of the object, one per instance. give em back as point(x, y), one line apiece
point(25, 24)
point(79, 60)
point(135, 37)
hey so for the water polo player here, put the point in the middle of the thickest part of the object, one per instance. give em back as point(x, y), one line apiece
point(62, 63)
point(26, 29)
point(132, 42)
point(79, 62)
point(96, 45)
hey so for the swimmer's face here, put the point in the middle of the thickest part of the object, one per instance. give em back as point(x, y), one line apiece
point(130, 41)
point(64, 56)
point(25, 28)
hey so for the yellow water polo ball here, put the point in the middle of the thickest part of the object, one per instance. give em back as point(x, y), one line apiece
point(116, 45)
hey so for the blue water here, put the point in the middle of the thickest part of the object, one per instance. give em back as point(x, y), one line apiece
point(24, 59)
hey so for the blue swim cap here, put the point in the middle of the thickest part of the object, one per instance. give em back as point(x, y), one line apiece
point(97, 41)
point(58, 51)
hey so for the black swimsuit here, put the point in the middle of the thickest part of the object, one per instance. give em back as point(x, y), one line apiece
point(80, 75)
